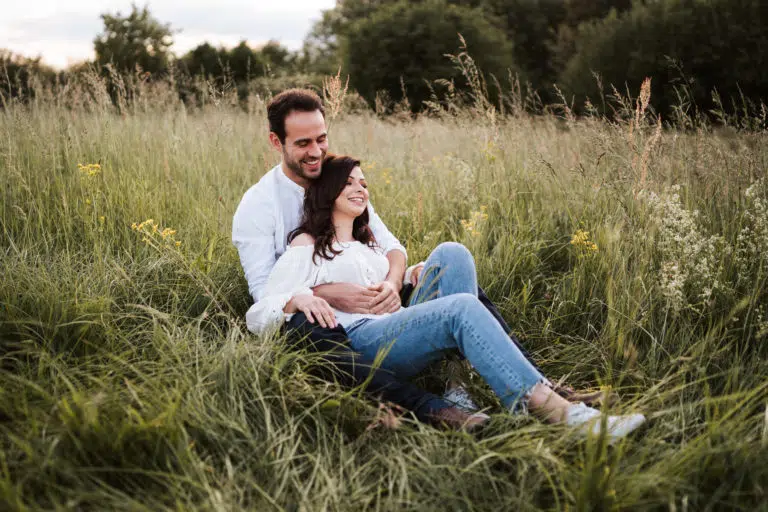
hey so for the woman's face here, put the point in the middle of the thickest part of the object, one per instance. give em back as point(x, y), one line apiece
point(354, 198)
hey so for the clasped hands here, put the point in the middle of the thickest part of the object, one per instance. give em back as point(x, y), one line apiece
point(383, 297)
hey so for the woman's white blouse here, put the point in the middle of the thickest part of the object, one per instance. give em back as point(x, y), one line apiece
point(295, 273)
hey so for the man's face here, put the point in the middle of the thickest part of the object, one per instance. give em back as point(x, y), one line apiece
point(306, 143)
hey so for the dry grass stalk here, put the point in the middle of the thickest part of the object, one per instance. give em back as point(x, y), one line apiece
point(642, 156)
point(643, 101)
point(649, 145)
point(334, 94)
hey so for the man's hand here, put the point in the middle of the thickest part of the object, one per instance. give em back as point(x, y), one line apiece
point(416, 274)
point(315, 308)
point(347, 297)
point(387, 298)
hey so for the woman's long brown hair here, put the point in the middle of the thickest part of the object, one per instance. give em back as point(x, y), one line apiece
point(317, 220)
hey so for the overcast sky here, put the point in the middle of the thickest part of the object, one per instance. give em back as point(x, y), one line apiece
point(62, 31)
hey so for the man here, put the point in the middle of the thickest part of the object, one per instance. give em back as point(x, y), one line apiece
point(272, 208)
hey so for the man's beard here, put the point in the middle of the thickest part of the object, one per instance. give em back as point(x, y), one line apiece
point(298, 170)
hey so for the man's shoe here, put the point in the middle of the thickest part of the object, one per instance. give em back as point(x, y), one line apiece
point(456, 419)
point(460, 397)
point(590, 421)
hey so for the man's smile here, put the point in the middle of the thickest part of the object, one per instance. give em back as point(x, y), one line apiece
point(312, 164)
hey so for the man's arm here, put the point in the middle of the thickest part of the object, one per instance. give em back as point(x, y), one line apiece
point(387, 299)
point(386, 240)
point(253, 233)
point(396, 268)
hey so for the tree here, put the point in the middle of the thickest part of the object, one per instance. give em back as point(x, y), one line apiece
point(542, 31)
point(244, 63)
point(575, 13)
point(531, 26)
point(205, 60)
point(320, 52)
point(579, 11)
point(277, 57)
point(134, 41)
point(19, 76)
point(409, 42)
point(703, 45)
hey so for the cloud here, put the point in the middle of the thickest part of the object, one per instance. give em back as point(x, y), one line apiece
point(63, 37)
point(64, 26)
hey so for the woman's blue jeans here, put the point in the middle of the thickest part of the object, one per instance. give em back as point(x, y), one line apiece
point(445, 315)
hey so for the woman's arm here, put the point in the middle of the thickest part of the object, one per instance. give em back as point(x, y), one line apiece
point(292, 276)
point(314, 307)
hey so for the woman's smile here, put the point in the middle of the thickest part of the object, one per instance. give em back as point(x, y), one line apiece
point(357, 200)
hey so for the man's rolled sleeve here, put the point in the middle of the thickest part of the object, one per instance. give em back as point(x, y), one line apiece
point(386, 240)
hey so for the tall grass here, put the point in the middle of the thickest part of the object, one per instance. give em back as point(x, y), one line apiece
point(128, 380)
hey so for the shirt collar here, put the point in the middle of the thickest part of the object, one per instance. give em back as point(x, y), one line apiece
point(288, 182)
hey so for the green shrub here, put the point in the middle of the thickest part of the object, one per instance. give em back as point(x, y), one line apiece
point(403, 47)
point(689, 48)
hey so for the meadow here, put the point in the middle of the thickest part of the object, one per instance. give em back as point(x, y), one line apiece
point(626, 256)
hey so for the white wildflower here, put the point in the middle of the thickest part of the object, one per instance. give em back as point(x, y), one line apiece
point(752, 241)
point(690, 260)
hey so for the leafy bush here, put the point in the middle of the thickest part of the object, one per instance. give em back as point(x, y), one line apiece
point(689, 48)
point(401, 48)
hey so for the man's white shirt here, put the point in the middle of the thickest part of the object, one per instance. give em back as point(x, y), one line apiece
point(268, 212)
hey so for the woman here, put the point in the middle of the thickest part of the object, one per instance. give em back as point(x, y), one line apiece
point(334, 244)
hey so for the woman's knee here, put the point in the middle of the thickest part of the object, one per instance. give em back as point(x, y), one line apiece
point(453, 252)
point(463, 304)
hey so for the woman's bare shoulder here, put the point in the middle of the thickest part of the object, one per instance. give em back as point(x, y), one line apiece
point(303, 239)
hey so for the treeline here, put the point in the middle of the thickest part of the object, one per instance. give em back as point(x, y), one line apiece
point(138, 47)
point(704, 56)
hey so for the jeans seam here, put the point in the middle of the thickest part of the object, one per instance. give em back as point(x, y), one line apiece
point(496, 361)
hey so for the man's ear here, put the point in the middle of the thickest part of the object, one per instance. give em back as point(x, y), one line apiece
point(274, 140)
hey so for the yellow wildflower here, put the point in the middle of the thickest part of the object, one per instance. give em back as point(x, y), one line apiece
point(474, 224)
point(580, 239)
point(489, 151)
point(89, 170)
point(386, 175)
point(151, 231)
point(102, 219)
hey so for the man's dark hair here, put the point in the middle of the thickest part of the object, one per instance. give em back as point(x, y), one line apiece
point(286, 102)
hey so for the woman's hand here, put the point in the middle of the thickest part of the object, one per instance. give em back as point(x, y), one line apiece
point(316, 309)
point(346, 297)
point(387, 298)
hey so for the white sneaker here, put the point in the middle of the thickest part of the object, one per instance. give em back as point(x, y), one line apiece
point(618, 426)
point(460, 397)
